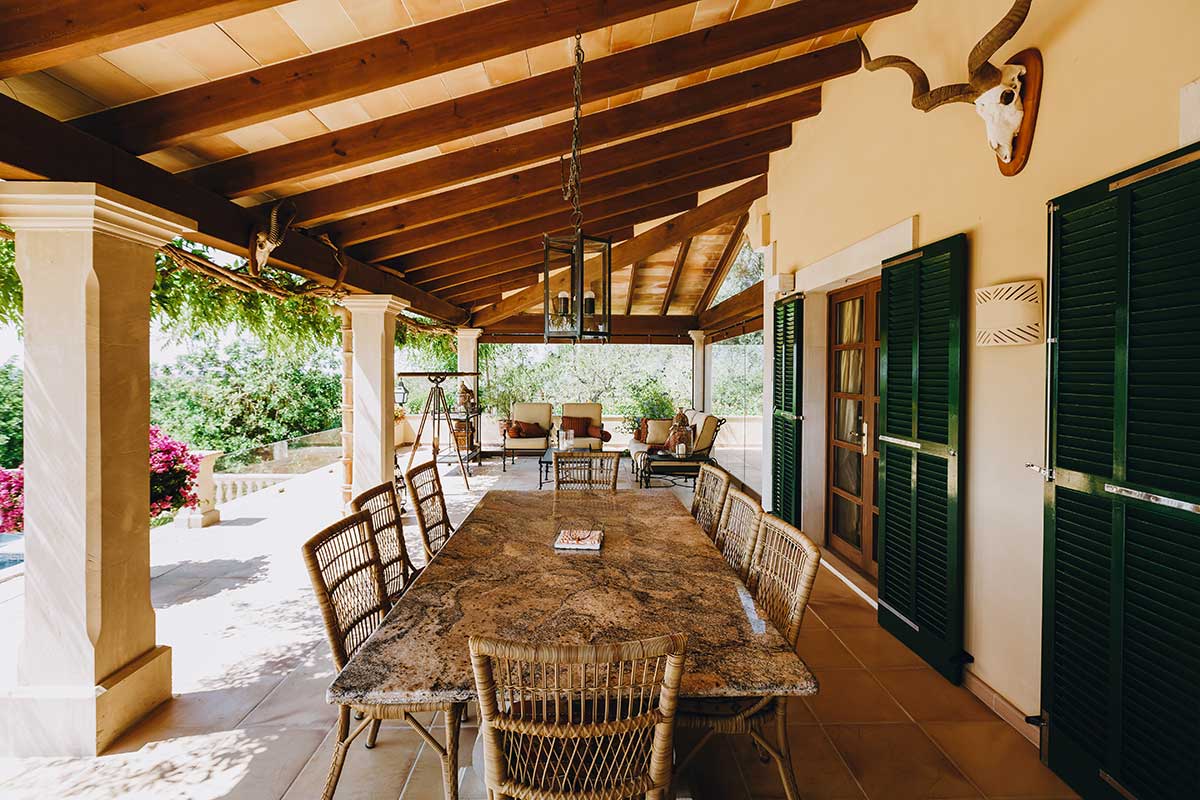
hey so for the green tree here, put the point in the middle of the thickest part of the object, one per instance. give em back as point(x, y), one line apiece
point(243, 397)
point(12, 434)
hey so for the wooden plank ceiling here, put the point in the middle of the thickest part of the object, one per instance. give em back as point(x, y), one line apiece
point(423, 136)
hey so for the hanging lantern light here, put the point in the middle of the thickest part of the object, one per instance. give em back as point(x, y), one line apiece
point(577, 303)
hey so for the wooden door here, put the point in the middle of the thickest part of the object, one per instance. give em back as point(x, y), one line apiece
point(852, 510)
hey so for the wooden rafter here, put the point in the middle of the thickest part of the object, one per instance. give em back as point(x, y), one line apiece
point(744, 305)
point(33, 145)
point(676, 270)
point(401, 244)
point(487, 110)
point(633, 271)
point(355, 69)
point(40, 34)
point(727, 256)
point(480, 256)
point(626, 325)
point(709, 143)
point(658, 238)
point(381, 188)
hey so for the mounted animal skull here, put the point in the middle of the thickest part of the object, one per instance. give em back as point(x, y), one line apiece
point(995, 91)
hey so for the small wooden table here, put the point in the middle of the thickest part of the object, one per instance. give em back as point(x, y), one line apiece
point(499, 575)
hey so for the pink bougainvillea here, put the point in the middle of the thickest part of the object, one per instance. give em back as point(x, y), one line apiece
point(12, 500)
point(173, 470)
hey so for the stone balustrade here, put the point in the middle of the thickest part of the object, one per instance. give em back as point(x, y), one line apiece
point(232, 485)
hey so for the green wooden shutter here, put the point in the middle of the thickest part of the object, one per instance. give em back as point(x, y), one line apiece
point(920, 526)
point(786, 417)
point(1120, 638)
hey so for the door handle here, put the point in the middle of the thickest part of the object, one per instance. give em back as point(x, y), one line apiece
point(866, 437)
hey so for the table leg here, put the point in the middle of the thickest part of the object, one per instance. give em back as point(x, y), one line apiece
point(450, 761)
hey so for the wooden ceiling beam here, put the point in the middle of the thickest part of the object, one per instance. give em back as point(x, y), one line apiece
point(724, 139)
point(43, 34)
point(744, 305)
point(518, 279)
point(391, 59)
point(493, 108)
point(622, 324)
point(381, 249)
point(727, 256)
point(661, 236)
point(382, 188)
point(676, 270)
point(633, 271)
point(35, 145)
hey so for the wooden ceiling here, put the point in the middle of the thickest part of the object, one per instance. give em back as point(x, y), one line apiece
point(422, 137)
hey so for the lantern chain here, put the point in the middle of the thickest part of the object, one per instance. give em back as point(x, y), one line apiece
point(571, 176)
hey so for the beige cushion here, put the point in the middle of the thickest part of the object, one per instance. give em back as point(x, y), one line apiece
point(706, 431)
point(635, 446)
point(536, 443)
point(657, 431)
point(588, 442)
point(591, 411)
point(531, 412)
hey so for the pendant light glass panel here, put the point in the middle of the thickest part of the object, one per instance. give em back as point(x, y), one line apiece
point(581, 307)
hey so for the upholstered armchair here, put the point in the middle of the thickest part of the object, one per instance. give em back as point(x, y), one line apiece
point(529, 413)
point(591, 412)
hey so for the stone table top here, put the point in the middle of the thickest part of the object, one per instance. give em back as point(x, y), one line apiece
point(499, 575)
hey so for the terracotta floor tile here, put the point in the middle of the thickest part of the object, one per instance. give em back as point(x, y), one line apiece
point(798, 713)
point(714, 773)
point(927, 696)
point(821, 649)
point(380, 772)
point(1001, 761)
point(852, 696)
point(812, 622)
point(845, 612)
point(829, 586)
point(875, 647)
point(820, 772)
point(898, 762)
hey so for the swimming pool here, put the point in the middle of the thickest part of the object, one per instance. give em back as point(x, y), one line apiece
point(10, 559)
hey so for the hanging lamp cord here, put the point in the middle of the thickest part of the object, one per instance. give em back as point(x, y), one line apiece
point(571, 176)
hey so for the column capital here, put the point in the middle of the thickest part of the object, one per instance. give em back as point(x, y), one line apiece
point(469, 334)
point(377, 303)
point(71, 206)
point(698, 337)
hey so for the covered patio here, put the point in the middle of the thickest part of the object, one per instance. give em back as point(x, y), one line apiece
point(973, 375)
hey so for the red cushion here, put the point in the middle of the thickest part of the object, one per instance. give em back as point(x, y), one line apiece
point(525, 430)
point(598, 432)
point(579, 425)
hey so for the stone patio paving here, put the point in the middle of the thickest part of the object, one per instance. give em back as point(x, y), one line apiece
point(251, 665)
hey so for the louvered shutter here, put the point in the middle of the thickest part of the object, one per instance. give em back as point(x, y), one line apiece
point(785, 423)
point(920, 527)
point(1121, 642)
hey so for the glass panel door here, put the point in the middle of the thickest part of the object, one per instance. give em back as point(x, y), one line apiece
point(852, 512)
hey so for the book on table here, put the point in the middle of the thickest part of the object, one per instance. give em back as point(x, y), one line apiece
point(579, 540)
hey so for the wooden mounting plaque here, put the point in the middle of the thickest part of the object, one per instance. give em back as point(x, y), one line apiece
point(1031, 96)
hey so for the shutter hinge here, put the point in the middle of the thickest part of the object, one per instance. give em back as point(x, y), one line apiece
point(1036, 719)
point(1052, 206)
point(964, 658)
point(1046, 472)
point(1051, 340)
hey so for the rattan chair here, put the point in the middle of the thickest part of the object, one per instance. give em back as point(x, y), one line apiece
point(783, 568)
point(737, 530)
point(568, 723)
point(708, 499)
point(347, 576)
point(425, 490)
point(586, 470)
point(388, 529)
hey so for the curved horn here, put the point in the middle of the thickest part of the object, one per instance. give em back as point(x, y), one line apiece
point(922, 98)
point(979, 65)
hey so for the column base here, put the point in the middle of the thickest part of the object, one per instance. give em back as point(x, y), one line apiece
point(83, 721)
point(191, 518)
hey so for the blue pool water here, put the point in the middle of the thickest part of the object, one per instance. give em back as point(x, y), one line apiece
point(10, 559)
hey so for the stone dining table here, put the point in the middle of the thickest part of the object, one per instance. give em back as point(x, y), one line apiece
point(499, 575)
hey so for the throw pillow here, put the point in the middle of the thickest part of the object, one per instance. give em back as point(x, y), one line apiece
point(657, 431)
point(525, 430)
point(577, 424)
point(597, 432)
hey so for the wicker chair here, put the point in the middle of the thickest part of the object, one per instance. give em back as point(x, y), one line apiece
point(593, 722)
point(347, 576)
point(708, 499)
point(425, 489)
point(586, 470)
point(783, 568)
point(737, 530)
point(386, 526)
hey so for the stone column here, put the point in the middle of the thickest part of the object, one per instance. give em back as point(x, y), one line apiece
point(699, 370)
point(206, 512)
point(89, 664)
point(373, 331)
point(468, 356)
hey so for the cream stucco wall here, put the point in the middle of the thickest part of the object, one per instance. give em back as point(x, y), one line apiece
point(1114, 70)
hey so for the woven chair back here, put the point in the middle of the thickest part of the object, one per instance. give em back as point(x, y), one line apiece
point(383, 506)
point(591, 722)
point(783, 570)
point(343, 564)
point(425, 489)
point(737, 530)
point(708, 500)
point(586, 470)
